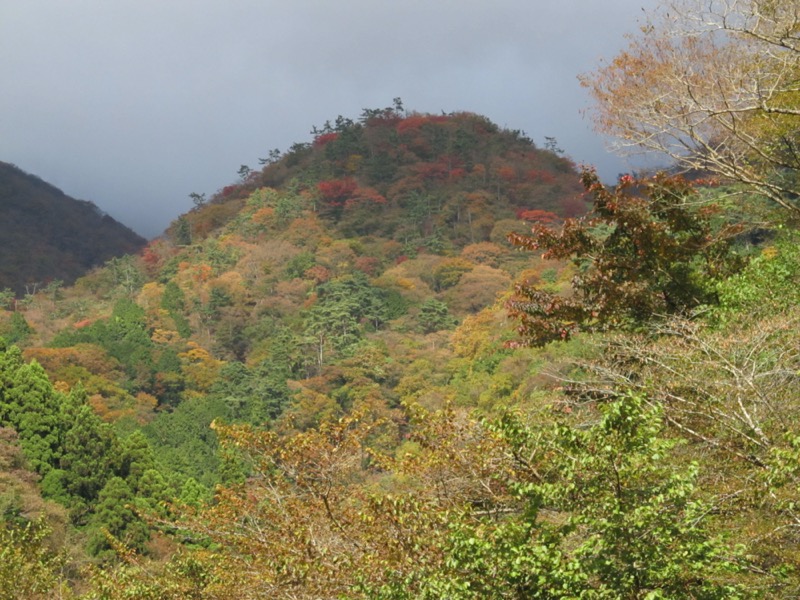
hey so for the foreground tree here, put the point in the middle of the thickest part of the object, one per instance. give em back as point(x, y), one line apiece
point(467, 510)
point(713, 86)
point(644, 251)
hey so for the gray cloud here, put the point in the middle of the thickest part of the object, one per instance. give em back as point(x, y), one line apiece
point(134, 104)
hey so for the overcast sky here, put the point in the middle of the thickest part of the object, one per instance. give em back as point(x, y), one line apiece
point(134, 104)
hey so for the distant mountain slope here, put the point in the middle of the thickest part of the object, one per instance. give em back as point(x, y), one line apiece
point(419, 179)
point(47, 235)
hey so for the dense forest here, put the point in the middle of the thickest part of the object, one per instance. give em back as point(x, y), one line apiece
point(50, 239)
point(419, 357)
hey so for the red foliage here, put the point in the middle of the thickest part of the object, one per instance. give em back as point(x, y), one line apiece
point(325, 138)
point(336, 191)
point(367, 264)
point(346, 192)
point(661, 257)
point(411, 123)
point(149, 256)
point(573, 206)
point(445, 167)
point(365, 195)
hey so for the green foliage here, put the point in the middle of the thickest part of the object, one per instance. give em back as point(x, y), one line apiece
point(126, 274)
point(182, 232)
point(6, 298)
point(89, 455)
point(434, 316)
point(183, 442)
point(115, 519)
point(173, 301)
point(345, 308)
point(29, 404)
point(299, 264)
point(604, 514)
point(312, 331)
point(124, 336)
point(768, 285)
point(256, 395)
point(18, 329)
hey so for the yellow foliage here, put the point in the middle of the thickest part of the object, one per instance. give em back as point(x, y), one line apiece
point(149, 297)
point(199, 367)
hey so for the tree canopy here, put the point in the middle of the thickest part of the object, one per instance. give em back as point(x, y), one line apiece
point(713, 86)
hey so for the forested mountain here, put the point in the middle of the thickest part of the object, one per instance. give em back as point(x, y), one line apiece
point(48, 236)
point(416, 357)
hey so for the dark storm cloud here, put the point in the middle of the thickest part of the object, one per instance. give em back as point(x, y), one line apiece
point(135, 104)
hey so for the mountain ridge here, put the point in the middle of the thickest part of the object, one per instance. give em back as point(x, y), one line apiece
point(51, 236)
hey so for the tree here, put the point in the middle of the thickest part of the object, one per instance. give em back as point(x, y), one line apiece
point(198, 199)
point(6, 298)
point(115, 518)
point(29, 404)
point(645, 251)
point(713, 86)
point(181, 231)
point(30, 569)
point(344, 308)
point(126, 273)
point(19, 329)
point(607, 515)
point(89, 451)
point(468, 510)
point(434, 316)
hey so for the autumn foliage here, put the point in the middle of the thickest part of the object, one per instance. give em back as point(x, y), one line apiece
point(645, 252)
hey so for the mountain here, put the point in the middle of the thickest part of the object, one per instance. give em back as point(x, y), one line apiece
point(314, 385)
point(48, 235)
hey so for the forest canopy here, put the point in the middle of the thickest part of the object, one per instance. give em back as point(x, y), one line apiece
point(323, 382)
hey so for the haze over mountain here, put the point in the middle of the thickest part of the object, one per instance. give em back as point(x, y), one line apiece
point(49, 236)
point(134, 105)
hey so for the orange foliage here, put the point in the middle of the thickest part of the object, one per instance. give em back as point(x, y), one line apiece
point(149, 298)
point(506, 173)
point(232, 282)
point(414, 122)
point(318, 274)
point(203, 272)
point(539, 176)
point(305, 231)
point(478, 288)
point(58, 361)
point(367, 194)
point(264, 216)
point(535, 215)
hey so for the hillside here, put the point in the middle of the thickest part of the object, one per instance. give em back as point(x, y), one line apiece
point(414, 357)
point(49, 236)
